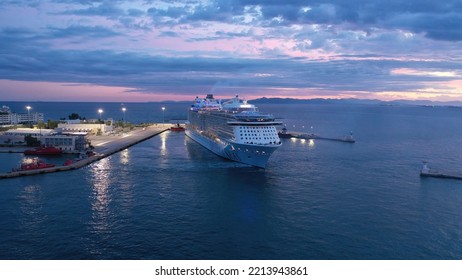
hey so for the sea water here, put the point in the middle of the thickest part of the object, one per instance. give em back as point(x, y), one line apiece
point(170, 198)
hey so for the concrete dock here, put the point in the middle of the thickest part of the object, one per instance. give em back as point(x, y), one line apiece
point(19, 150)
point(428, 172)
point(104, 146)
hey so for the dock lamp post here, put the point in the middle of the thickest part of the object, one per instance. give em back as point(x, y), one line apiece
point(28, 115)
point(123, 110)
point(100, 112)
point(163, 115)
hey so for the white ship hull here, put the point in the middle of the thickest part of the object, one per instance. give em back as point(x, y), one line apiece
point(255, 155)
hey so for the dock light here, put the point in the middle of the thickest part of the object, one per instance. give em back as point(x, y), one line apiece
point(100, 112)
point(163, 115)
point(28, 114)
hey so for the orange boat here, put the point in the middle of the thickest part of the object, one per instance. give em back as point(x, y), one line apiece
point(177, 127)
point(35, 164)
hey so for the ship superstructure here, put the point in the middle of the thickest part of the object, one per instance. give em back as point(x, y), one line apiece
point(233, 129)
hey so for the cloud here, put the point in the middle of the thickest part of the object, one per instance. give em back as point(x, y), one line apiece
point(169, 46)
point(222, 35)
point(435, 20)
point(79, 31)
point(108, 9)
point(431, 18)
point(155, 73)
point(169, 34)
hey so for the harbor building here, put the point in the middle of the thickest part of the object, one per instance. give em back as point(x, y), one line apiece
point(16, 136)
point(93, 128)
point(35, 132)
point(67, 142)
point(7, 117)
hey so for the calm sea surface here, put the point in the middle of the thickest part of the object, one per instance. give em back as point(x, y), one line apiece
point(169, 198)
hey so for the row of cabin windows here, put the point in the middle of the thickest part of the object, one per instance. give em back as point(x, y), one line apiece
point(267, 132)
point(264, 128)
point(265, 136)
point(252, 134)
point(260, 138)
point(257, 151)
point(259, 143)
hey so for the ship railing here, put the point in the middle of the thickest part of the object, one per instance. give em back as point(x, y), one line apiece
point(254, 123)
point(274, 143)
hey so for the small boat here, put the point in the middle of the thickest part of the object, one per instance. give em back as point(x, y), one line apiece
point(285, 134)
point(177, 127)
point(33, 165)
point(68, 162)
point(51, 151)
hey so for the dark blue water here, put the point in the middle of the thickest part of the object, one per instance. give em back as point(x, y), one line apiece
point(169, 198)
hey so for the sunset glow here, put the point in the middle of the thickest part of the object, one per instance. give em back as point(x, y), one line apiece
point(162, 50)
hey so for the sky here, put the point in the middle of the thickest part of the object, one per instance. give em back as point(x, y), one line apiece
point(79, 50)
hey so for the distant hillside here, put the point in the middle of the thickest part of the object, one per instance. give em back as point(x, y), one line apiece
point(265, 100)
point(428, 102)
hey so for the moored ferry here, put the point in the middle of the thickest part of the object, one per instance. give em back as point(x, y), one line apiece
point(233, 129)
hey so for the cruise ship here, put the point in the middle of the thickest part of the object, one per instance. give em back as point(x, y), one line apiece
point(233, 129)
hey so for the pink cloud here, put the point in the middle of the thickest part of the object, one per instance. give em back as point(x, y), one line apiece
point(49, 91)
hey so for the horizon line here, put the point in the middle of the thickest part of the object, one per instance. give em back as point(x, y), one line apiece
point(269, 98)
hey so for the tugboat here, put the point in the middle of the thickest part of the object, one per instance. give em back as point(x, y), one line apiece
point(44, 151)
point(33, 165)
point(285, 134)
point(177, 127)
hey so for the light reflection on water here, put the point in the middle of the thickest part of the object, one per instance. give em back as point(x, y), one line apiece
point(125, 156)
point(125, 182)
point(163, 147)
point(100, 197)
point(311, 144)
point(32, 218)
point(31, 201)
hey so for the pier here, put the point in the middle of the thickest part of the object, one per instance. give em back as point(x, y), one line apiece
point(104, 146)
point(13, 149)
point(428, 172)
point(309, 136)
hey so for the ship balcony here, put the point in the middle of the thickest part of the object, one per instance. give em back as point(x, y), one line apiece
point(254, 122)
point(258, 143)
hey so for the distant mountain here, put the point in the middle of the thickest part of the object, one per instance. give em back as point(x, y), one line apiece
point(428, 103)
point(265, 100)
point(276, 100)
